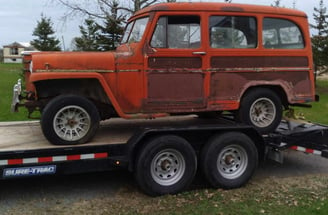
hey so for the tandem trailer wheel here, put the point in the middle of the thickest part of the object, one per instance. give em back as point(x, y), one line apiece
point(229, 160)
point(166, 165)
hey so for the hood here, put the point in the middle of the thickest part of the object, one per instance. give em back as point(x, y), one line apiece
point(73, 61)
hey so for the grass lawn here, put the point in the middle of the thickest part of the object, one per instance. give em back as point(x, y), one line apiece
point(318, 113)
point(275, 196)
point(9, 74)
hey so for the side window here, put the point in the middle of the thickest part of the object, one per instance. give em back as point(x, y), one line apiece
point(177, 32)
point(127, 33)
point(135, 30)
point(281, 34)
point(138, 29)
point(159, 37)
point(233, 32)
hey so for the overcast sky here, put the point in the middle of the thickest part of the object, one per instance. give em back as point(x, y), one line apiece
point(18, 18)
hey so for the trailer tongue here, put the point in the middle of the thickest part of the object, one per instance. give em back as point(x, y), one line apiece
point(300, 136)
point(162, 153)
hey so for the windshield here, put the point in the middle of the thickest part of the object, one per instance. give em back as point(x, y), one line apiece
point(135, 30)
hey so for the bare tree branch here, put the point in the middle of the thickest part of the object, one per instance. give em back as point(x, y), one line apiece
point(102, 8)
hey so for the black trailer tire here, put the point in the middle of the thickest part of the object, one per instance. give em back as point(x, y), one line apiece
point(165, 165)
point(69, 120)
point(229, 160)
point(261, 108)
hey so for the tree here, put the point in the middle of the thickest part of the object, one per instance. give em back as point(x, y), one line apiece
point(100, 9)
point(89, 38)
point(44, 31)
point(112, 28)
point(320, 41)
point(276, 3)
point(101, 36)
point(320, 18)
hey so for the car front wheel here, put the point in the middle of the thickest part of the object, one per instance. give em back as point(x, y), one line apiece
point(68, 120)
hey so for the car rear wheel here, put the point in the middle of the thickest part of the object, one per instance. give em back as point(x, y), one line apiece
point(261, 108)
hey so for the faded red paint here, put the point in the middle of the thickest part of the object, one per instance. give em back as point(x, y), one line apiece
point(259, 61)
point(174, 62)
point(143, 81)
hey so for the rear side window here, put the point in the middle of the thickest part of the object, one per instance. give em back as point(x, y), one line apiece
point(233, 32)
point(281, 34)
point(177, 32)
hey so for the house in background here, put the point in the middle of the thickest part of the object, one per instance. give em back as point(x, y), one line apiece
point(12, 52)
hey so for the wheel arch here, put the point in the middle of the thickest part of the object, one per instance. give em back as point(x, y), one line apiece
point(278, 89)
point(47, 77)
point(90, 88)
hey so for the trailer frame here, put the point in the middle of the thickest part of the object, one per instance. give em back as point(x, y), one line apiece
point(296, 135)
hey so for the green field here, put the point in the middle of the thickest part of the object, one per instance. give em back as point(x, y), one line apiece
point(318, 113)
point(9, 74)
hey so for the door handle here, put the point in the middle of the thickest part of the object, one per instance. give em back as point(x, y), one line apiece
point(199, 53)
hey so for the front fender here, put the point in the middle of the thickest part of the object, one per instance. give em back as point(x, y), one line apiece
point(46, 76)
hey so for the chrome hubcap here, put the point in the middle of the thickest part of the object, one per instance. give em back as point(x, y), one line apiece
point(232, 161)
point(167, 167)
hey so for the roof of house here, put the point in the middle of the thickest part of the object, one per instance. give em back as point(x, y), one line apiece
point(18, 45)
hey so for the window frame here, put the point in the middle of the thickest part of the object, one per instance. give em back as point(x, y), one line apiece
point(166, 42)
point(280, 45)
point(251, 46)
point(133, 24)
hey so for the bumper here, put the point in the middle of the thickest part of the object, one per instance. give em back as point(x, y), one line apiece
point(17, 90)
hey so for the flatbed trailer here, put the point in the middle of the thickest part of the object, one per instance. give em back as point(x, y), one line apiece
point(164, 154)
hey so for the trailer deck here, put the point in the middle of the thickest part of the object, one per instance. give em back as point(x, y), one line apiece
point(21, 136)
point(24, 151)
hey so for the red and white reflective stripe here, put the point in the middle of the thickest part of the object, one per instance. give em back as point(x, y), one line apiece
point(38, 160)
point(303, 149)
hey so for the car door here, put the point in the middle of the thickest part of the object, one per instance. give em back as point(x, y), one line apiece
point(174, 67)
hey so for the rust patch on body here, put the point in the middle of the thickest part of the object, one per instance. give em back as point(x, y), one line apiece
point(258, 61)
point(231, 85)
point(174, 62)
point(174, 91)
point(232, 9)
point(177, 86)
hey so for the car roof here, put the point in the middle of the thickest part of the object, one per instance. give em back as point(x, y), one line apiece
point(223, 7)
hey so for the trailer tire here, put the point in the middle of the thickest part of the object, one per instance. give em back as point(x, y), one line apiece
point(165, 165)
point(262, 109)
point(69, 120)
point(229, 160)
